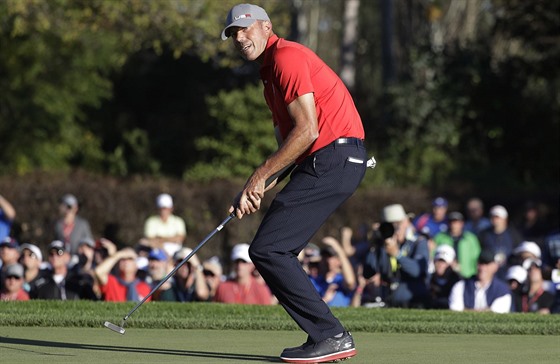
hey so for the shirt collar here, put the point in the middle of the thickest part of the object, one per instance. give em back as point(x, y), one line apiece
point(268, 51)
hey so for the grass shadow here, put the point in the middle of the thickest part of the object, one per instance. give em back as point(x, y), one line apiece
point(125, 349)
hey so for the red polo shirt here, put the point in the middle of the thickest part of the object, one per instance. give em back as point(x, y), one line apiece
point(113, 291)
point(290, 70)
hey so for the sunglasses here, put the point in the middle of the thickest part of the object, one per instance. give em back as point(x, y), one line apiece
point(208, 273)
point(58, 252)
point(27, 253)
point(13, 277)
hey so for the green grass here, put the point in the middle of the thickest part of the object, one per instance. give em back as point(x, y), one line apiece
point(98, 345)
point(208, 333)
point(161, 315)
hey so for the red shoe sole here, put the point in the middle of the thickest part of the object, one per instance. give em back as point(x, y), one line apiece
point(341, 355)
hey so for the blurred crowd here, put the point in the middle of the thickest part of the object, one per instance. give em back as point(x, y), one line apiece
point(474, 259)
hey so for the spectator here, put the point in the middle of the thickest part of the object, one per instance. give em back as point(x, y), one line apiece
point(213, 274)
point(516, 277)
point(9, 254)
point(435, 222)
point(9, 251)
point(356, 245)
point(31, 259)
point(476, 221)
point(532, 226)
point(189, 283)
point(58, 282)
point(7, 217)
point(464, 243)
point(124, 285)
point(551, 265)
point(484, 292)
point(70, 228)
point(527, 250)
point(500, 238)
point(243, 287)
point(335, 281)
point(401, 257)
point(310, 257)
point(159, 265)
point(443, 278)
point(165, 230)
point(537, 299)
point(13, 284)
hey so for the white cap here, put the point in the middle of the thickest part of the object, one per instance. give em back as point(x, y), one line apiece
point(445, 253)
point(182, 254)
point(164, 201)
point(528, 247)
point(241, 251)
point(499, 211)
point(518, 273)
point(393, 213)
point(142, 263)
point(33, 249)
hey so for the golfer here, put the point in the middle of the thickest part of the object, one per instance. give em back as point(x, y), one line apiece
point(320, 132)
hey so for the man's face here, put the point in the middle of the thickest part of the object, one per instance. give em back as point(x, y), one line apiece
point(243, 269)
point(13, 284)
point(29, 259)
point(251, 42)
point(58, 258)
point(9, 255)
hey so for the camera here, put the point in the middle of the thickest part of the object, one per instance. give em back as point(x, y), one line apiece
point(386, 230)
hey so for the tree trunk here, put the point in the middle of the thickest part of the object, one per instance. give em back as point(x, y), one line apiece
point(349, 39)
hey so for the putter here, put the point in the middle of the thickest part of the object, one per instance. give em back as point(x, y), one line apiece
point(120, 329)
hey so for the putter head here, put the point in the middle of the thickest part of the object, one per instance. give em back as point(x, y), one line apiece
point(114, 327)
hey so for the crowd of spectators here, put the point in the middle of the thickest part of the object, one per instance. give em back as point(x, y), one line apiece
point(439, 259)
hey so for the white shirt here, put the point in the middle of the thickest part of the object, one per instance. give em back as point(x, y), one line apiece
point(456, 303)
point(155, 227)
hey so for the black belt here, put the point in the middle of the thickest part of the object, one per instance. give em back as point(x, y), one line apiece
point(352, 141)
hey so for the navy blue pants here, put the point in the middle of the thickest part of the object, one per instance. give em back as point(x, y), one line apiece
point(317, 187)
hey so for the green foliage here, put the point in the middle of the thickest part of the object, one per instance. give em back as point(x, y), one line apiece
point(244, 136)
point(173, 315)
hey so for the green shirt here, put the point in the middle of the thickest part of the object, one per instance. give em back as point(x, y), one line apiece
point(467, 249)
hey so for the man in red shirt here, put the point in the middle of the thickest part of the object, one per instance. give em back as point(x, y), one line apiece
point(243, 287)
point(125, 286)
point(319, 131)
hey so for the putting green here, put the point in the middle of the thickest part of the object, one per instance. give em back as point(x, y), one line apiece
point(87, 345)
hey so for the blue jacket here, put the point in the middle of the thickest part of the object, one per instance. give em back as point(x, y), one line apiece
point(409, 279)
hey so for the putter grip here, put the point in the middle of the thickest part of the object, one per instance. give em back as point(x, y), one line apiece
point(281, 174)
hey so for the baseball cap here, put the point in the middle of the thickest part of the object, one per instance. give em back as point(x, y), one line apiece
point(243, 15)
point(455, 215)
point(15, 270)
point(157, 254)
point(9, 242)
point(241, 251)
point(528, 247)
point(182, 253)
point(439, 202)
point(328, 251)
point(312, 252)
point(87, 241)
point(58, 245)
point(33, 249)
point(499, 211)
point(393, 213)
point(213, 265)
point(486, 256)
point(517, 273)
point(164, 201)
point(445, 253)
point(69, 200)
